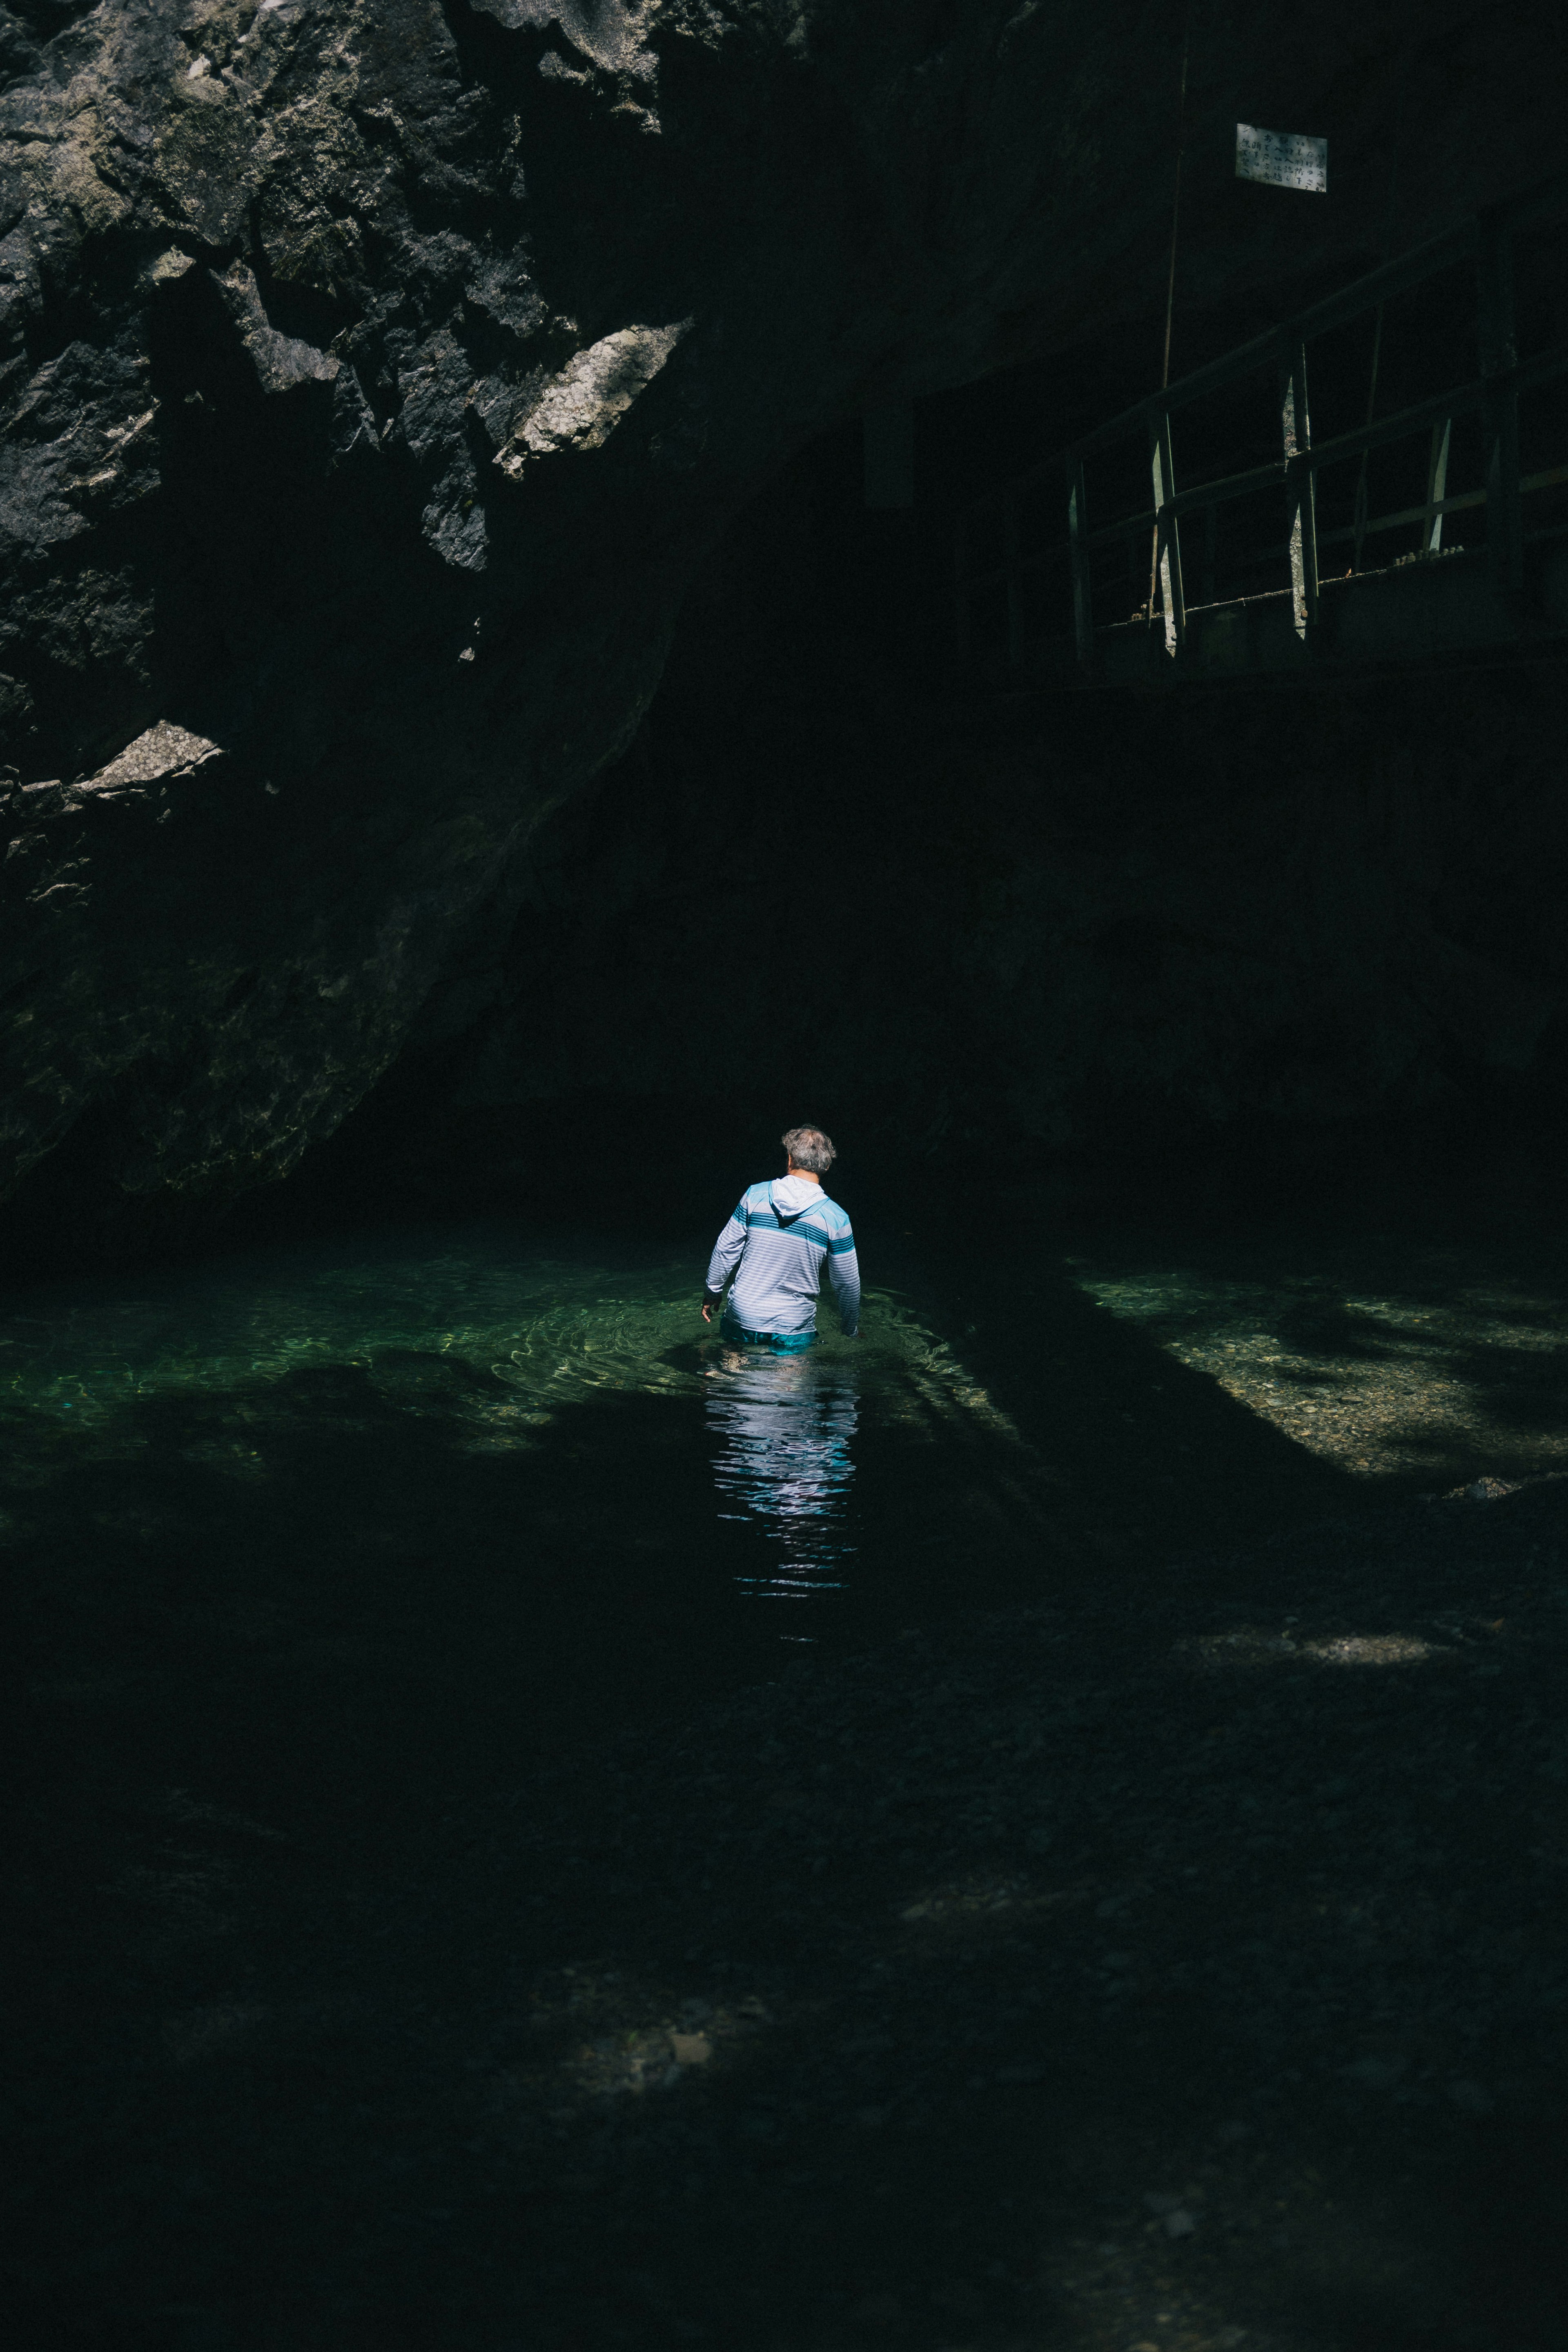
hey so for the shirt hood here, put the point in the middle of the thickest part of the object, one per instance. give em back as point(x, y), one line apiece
point(793, 1194)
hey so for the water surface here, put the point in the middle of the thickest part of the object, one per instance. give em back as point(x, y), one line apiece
point(326, 1560)
point(334, 1533)
point(369, 1453)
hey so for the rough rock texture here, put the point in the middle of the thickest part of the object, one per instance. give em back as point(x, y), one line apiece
point(375, 369)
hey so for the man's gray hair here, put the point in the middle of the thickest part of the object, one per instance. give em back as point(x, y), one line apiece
point(810, 1149)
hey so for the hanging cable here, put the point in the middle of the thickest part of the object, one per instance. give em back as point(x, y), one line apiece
point(1171, 274)
point(1176, 200)
point(1360, 515)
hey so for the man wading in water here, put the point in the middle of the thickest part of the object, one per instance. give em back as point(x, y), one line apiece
point(782, 1235)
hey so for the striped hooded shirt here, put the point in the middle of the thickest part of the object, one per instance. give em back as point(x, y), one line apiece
point(782, 1237)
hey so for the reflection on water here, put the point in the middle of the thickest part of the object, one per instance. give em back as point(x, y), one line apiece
point(531, 1356)
point(266, 1517)
point(784, 1426)
point(494, 1347)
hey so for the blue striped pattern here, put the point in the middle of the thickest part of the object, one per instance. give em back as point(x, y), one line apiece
point(778, 1266)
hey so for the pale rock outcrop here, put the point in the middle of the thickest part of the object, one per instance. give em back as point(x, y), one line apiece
point(582, 406)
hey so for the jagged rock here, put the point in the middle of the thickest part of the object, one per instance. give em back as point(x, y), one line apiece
point(375, 369)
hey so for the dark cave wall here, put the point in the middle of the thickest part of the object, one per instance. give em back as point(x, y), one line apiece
point(1123, 924)
point(1082, 923)
point(374, 373)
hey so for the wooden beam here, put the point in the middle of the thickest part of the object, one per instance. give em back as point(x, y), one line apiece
point(1078, 548)
point(1437, 487)
point(1500, 413)
point(1548, 200)
point(1302, 487)
point(1132, 527)
point(1015, 590)
point(1167, 567)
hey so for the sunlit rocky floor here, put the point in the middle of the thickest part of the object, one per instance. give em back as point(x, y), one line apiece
point(1394, 1358)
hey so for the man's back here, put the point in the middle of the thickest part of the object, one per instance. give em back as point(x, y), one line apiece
point(786, 1234)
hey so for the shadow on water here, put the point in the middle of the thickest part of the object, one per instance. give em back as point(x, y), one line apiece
point(1381, 1365)
point(301, 1592)
point(1141, 1454)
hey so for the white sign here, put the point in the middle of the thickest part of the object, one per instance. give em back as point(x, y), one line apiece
point(1286, 158)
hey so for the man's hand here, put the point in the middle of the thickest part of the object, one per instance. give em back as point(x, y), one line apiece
point(710, 1308)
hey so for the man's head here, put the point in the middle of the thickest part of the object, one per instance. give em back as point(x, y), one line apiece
point(809, 1150)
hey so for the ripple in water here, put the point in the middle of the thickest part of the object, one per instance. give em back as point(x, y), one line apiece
point(784, 1426)
point(488, 1338)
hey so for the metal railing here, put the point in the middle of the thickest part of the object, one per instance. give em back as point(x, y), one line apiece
point(1494, 393)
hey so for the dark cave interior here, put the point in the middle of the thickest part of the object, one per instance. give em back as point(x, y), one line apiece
point(1013, 933)
point(1365, 1026)
point(1129, 1918)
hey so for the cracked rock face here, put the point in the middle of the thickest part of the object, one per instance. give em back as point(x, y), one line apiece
point(372, 373)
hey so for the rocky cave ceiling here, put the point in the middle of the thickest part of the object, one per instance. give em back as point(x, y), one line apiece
point(375, 372)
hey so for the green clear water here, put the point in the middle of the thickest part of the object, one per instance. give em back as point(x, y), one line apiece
point(319, 1559)
point(483, 1344)
point(537, 1328)
point(328, 1543)
point(257, 1502)
point(411, 1507)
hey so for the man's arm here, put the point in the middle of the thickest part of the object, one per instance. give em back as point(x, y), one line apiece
point(844, 1273)
point(725, 1259)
